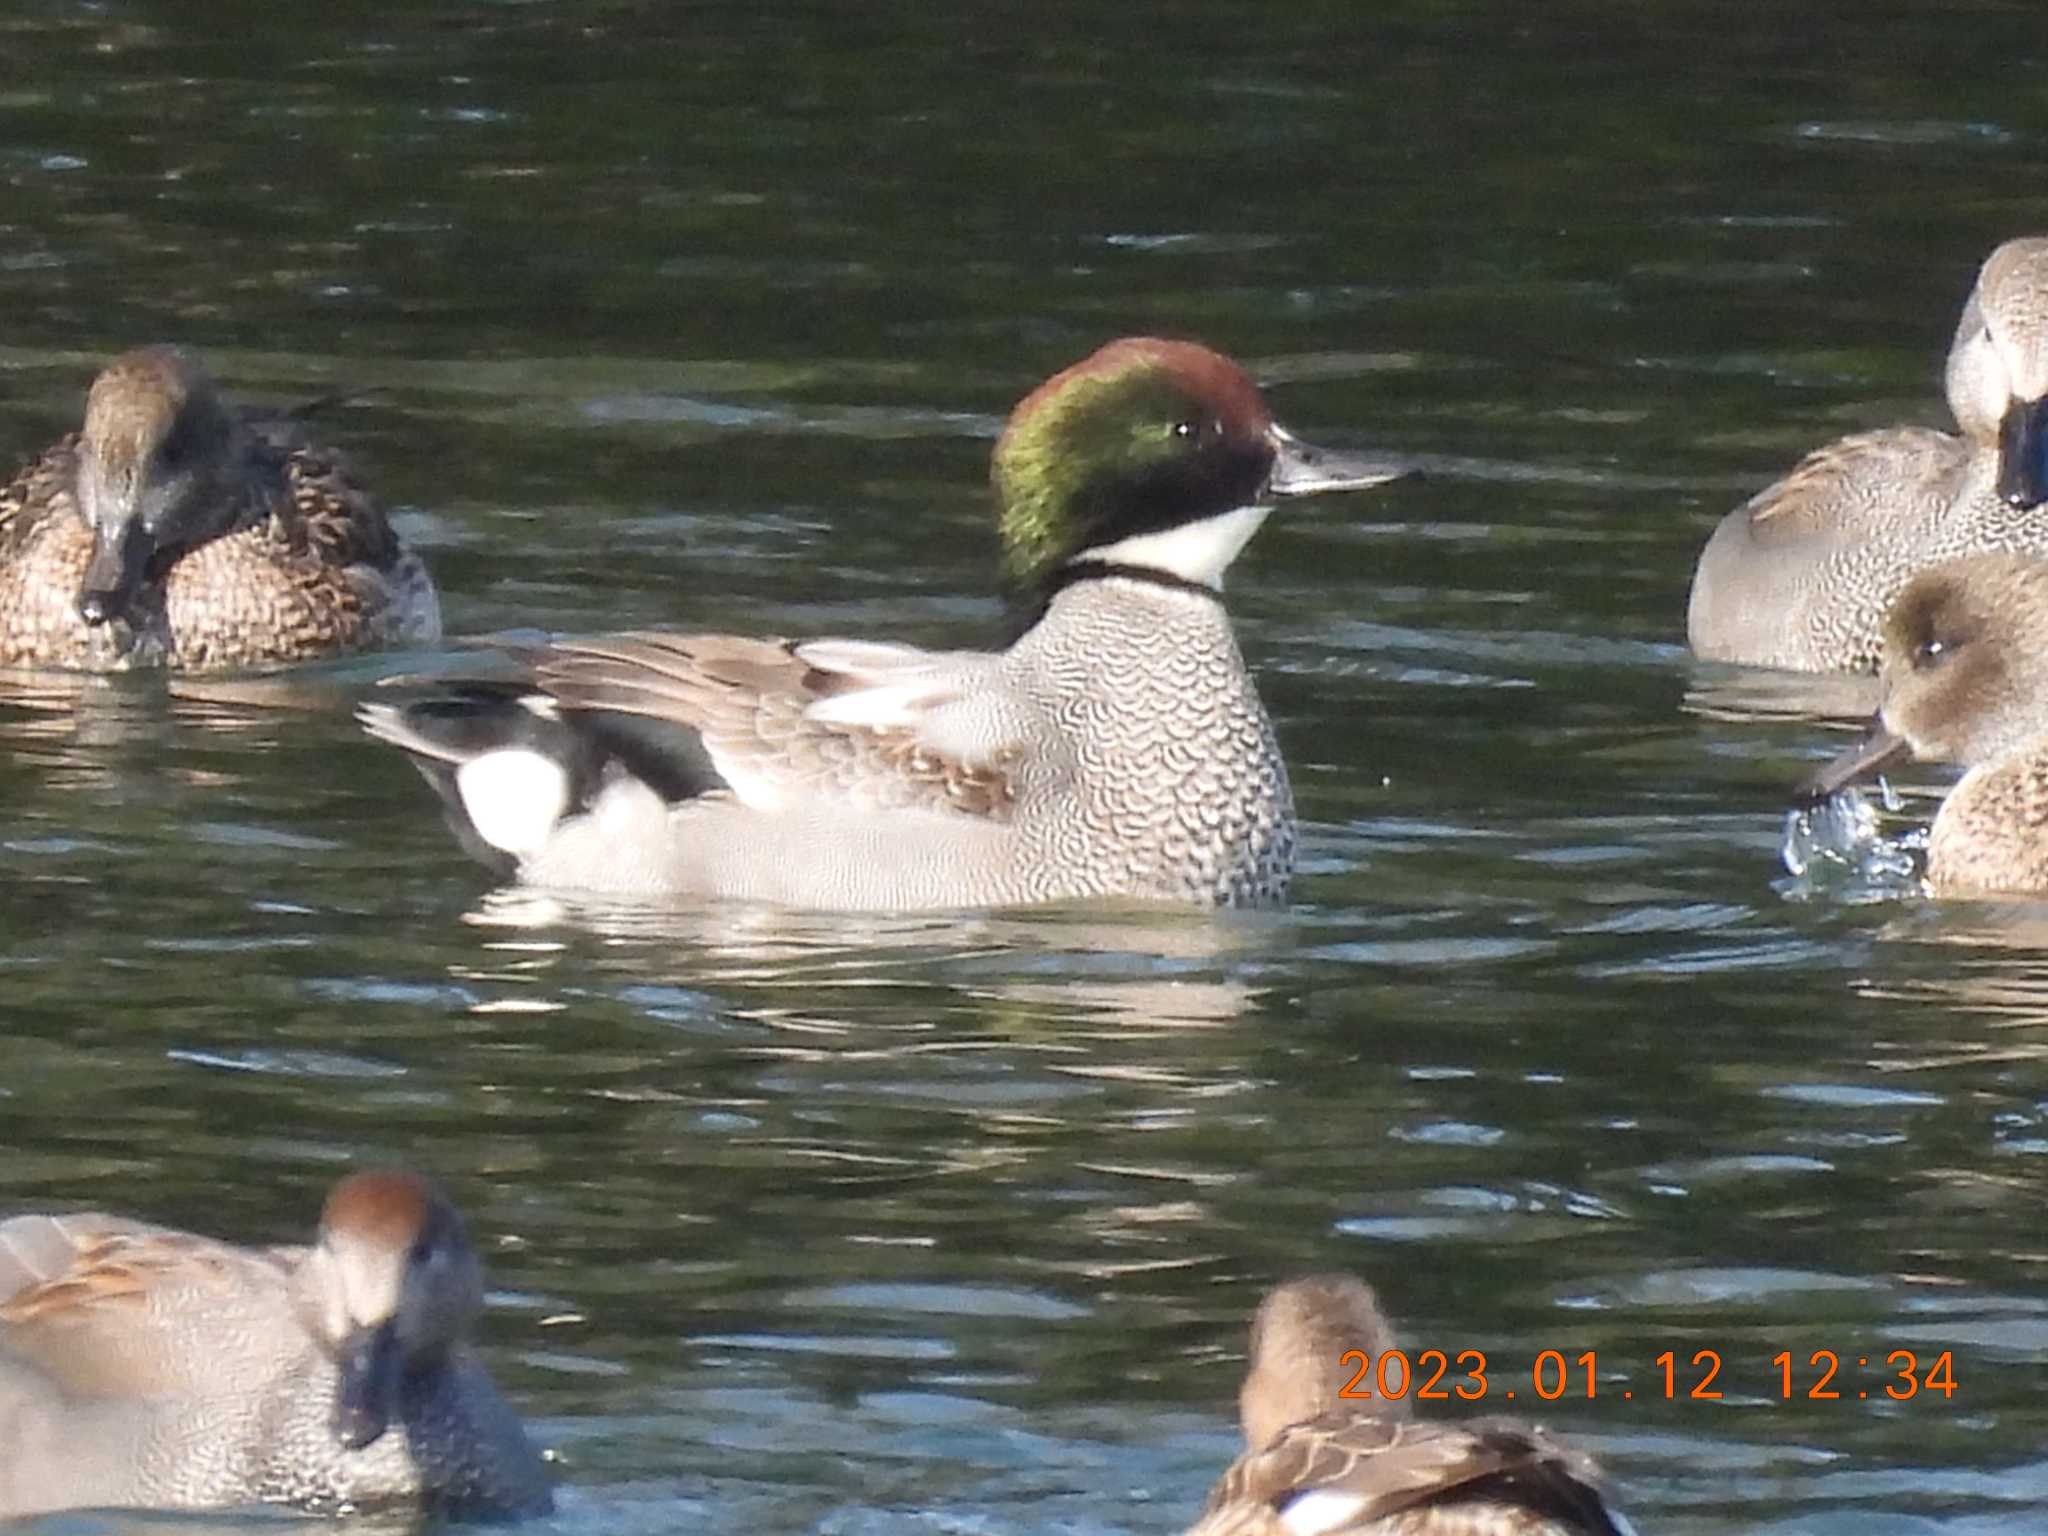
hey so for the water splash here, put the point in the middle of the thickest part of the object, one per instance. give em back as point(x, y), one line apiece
point(1839, 849)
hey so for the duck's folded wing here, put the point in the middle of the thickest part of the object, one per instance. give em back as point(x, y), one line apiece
point(1345, 1472)
point(868, 726)
point(1833, 489)
point(92, 1300)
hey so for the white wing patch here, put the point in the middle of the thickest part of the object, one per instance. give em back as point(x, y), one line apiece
point(956, 704)
point(1323, 1509)
point(892, 707)
point(873, 659)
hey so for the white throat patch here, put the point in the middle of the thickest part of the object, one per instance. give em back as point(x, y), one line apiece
point(1198, 552)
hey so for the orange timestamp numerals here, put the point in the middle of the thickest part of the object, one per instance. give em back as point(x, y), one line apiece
point(1437, 1376)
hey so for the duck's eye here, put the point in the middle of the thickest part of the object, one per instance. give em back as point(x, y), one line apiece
point(1930, 653)
point(1187, 429)
point(174, 452)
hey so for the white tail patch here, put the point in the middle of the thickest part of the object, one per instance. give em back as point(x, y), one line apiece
point(514, 797)
point(1199, 551)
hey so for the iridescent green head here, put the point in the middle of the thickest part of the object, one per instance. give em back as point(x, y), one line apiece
point(1142, 454)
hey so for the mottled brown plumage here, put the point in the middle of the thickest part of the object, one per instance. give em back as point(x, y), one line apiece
point(1377, 1476)
point(175, 530)
point(1359, 1466)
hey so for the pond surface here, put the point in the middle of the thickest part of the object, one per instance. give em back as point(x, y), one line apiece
point(708, 315)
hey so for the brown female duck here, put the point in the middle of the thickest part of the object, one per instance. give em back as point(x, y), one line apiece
point(178, 530)
point(1319, 1463)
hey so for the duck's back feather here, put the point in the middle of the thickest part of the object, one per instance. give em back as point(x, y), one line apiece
point(1347, 1472)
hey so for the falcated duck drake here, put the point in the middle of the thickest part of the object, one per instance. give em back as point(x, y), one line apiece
point(1801, 577)
point(178, 530)
point(1117, 749)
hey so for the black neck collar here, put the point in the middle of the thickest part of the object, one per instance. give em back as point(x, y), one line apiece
point(1075, 572)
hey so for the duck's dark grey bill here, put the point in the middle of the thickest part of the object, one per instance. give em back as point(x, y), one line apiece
point(1302, 469)
point(112, 576)
point(2023, 454)
point(366, 1391)
point(1873, 752)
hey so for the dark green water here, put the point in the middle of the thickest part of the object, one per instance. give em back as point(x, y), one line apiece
point(708, 315)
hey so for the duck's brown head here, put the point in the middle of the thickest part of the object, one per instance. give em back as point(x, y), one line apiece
point(155, 467)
